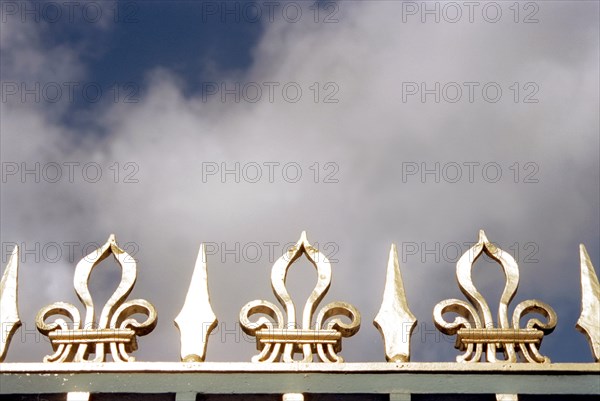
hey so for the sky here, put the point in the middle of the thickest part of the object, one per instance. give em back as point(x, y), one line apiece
point(241, 124)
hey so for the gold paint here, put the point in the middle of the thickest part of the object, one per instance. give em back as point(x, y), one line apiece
point(491, 336)
point(298, 336)
point(394, 320)
point(92, 336)
point(115, 329)
point(475, 327)
point(9, 312)
point(277, 338)
point(589, 320)
point(196, 320)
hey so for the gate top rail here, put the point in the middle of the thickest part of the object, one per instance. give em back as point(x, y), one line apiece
point(280, 334)
point(186, 379)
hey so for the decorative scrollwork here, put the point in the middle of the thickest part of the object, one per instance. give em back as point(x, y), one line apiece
point(474, 326)
point(278, 338)
point(74, 341)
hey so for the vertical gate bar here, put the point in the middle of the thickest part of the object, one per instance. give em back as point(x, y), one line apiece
point(293, 397)
point(190, 396)
point(78, 396)
point(507, 397)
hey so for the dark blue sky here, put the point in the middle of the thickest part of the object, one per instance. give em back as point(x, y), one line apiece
point(189, 38)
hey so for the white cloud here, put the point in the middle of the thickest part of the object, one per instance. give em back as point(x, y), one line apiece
point(368, 134)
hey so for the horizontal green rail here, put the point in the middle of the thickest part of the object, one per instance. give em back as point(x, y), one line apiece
point(278, 378)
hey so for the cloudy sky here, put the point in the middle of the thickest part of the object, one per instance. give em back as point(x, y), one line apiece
point(240, 124)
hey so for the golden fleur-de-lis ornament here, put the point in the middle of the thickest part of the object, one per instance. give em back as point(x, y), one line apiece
point(115, 332)
point(283, 337)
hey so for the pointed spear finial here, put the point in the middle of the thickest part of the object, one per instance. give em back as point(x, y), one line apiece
point(589, 320)
point(9, 313)
point(196, 319)
point(394, 320)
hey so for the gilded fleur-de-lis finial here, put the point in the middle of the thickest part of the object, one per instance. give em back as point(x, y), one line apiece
point(196, 319)
point(9, 313)
point(474, 326)
point(394, 320)
point(278, 337)
point(115, 329)
point(589, 320)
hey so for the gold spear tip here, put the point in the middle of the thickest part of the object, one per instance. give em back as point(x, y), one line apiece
point(583, 254)
point(482, 237)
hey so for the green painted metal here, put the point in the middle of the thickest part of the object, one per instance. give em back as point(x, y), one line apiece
point(400, 397)
point(222, 378)
point(189, 396)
